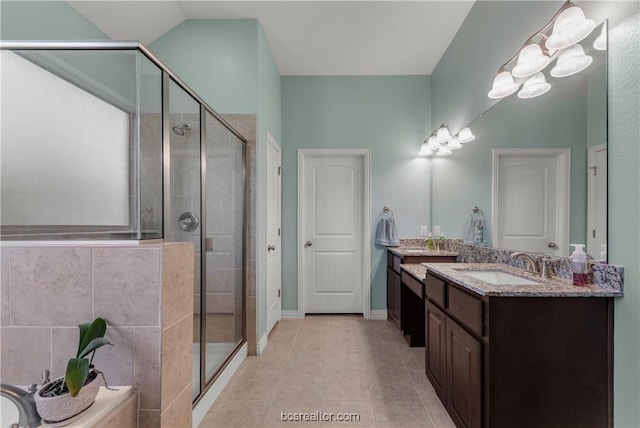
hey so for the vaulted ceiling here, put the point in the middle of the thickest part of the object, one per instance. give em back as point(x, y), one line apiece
point(308, 37)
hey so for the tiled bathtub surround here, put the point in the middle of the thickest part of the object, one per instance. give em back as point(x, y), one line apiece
point(606, 276)
point(143, 291)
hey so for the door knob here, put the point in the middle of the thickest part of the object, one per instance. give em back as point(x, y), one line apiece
point(188, 221)
point(271, 247)
point(307, 244)
point(552, 245)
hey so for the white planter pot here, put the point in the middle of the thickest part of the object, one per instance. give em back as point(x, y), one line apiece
point(59, 408)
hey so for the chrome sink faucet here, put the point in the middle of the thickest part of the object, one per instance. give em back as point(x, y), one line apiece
point(533, 264)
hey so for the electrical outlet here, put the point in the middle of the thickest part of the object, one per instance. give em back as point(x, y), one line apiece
point(423, 231)
point(436, 230)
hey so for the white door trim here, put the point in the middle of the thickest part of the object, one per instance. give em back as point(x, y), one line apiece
point(276, 146)
point(366, 226)
point(591, 201)
point(563, 180)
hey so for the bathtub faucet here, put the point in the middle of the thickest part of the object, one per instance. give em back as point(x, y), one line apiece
point(23, 400)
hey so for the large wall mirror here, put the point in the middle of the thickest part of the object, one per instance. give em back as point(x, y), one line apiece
point(537, 168)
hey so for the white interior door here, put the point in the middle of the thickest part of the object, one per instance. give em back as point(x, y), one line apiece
point(332, 227)
point(274, 232)
point(530, 204)
point(597, 201)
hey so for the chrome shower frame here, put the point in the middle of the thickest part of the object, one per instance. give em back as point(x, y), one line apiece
point(167, 77)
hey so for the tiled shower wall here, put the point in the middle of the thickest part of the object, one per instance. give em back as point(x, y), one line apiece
point(143, 291)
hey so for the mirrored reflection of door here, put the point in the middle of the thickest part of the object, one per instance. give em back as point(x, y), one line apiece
point(184, 223)
point(224, 211)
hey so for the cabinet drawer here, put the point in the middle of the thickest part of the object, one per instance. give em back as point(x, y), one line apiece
point(435, 289)
point(466, 308)
point(413, 284)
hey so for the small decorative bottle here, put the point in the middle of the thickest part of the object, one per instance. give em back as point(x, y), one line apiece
point(579, 265)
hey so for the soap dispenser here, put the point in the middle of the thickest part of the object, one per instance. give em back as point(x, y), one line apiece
point(579, 265)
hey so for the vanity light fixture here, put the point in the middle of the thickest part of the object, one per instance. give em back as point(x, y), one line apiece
point(425, 150)
point(454, 144)
point(465, 135)
point(571, 61)
point(443, 135)
point(530, 61)
point(570, 27)
point(600, 43)
point(433, 145)
point(503, 85)
point(535, 86)
point(444, 151)
point(566, 28)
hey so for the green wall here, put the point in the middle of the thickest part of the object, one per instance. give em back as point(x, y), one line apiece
point(218, 59)
point(492, 32)
point(388, 115)
point(45, 20)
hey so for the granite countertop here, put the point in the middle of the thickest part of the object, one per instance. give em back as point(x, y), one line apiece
point(546, 287)
point(420, 252)
point(416, 270)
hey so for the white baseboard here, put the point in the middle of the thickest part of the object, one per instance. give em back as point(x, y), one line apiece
point(378, 314)
point(203, 406)
point(289, 314)
point(262, 343)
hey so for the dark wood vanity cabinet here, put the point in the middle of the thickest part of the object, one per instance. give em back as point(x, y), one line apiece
point(436, 348)
point(394, 298)
point(526, 362)
point(398, 293)
point(453, 359)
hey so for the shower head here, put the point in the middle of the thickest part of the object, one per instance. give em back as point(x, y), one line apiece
point(182, 129)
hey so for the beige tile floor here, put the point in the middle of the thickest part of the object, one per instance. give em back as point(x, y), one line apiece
point(331, 364)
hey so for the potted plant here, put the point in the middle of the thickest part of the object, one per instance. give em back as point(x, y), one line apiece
point(67, 396)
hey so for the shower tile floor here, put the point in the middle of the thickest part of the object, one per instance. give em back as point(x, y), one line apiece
point(331, 363)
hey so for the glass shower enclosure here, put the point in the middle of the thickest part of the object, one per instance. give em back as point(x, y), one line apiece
point(101, 141)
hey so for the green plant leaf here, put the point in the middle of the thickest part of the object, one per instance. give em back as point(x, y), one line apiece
point(83, 332)
point(97, 329)
point(96, 343)
point(76, 375)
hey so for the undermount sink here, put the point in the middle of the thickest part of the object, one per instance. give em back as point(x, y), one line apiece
point(497, 277)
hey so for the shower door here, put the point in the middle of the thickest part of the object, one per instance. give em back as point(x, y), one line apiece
point(206, 202)
point(224, 243)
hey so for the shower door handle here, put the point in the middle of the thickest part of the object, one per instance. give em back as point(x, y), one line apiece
point(188, 221)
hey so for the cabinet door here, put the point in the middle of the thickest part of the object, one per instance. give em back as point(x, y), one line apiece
point(397, 288)
point(390, 293)
point(394, 299)
point(463, 388)
point(435, 348)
